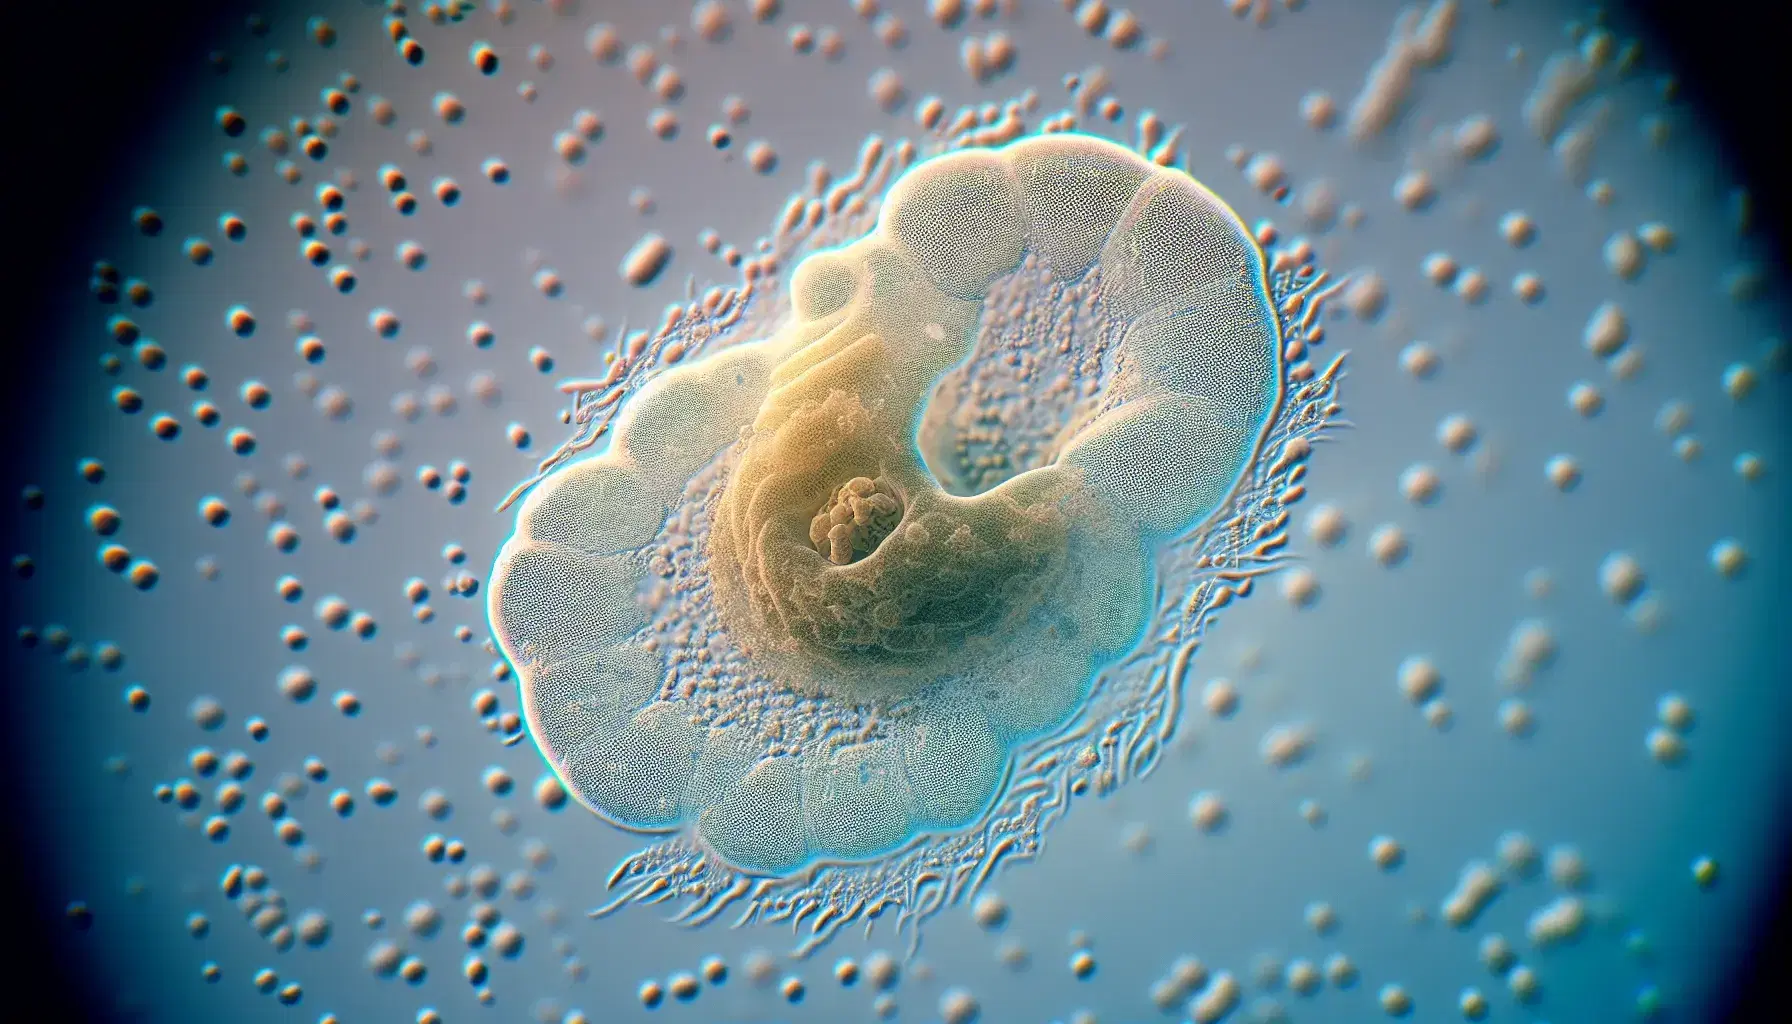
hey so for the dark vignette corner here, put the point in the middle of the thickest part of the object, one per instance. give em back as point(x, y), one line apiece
point(88, 87)
point(1729, 68)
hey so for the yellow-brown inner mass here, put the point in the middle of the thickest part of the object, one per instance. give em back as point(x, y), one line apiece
point(892, 582)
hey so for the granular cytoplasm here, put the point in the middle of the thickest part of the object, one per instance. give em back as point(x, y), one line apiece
point(822, 589)
point(829, 510)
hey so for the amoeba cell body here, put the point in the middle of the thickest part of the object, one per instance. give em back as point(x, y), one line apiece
point(831, 596)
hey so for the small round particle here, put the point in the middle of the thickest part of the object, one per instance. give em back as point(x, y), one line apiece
point(1675, 712)
point(549, 793)
point(1207, 811)
point(104, 520)
point(1518, 229)
point(240, 321)
point(297, 684)
point(761, 157)
point(449, 108)
point(1666, 746)
point(1318, 110)
point(143, 574)
point(1624, 255)
point(1497, 954)
point(1219, 697)
point(1388, 545)
point(1528, 287)
point(990, 911)
point(1419, 360)
point(498, 781)
point(1395, 1001)
point(1082, 965)
point(1524, 984)
point(1414, 190)
point(384, 323)
point(1419, 679)
point(1516, 718)
point(1420, 484)
point(1740, 380)
point(570, 147)
point(651, 994)
point(1704, 872)
point(1562, 471)
point(958, 1006)
point(1476, 137)
point(1303, 977)
point(1327, 525)
point(115, 557)
point(1312, 813)
point(1300, 587)
point(207, 713)
point(1657, 236)
point(435, 804)
point(1567, 866)
point(1386, 853)
point(1729, 558)
point(1621, 577)
point(1456, 433)
point(1585, 399)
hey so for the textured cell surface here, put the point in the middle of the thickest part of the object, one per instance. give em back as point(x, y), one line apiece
point(907, 637)
point(575, 511)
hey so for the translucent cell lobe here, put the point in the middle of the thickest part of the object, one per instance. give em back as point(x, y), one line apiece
point(831, 633)
point(856, 802)
point(637, 776)
point(574, 702)
point(951, 760)
point(759, 823)
point(558, 603)
point(596, 507)
point(959, 217)
point(1073, 196)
